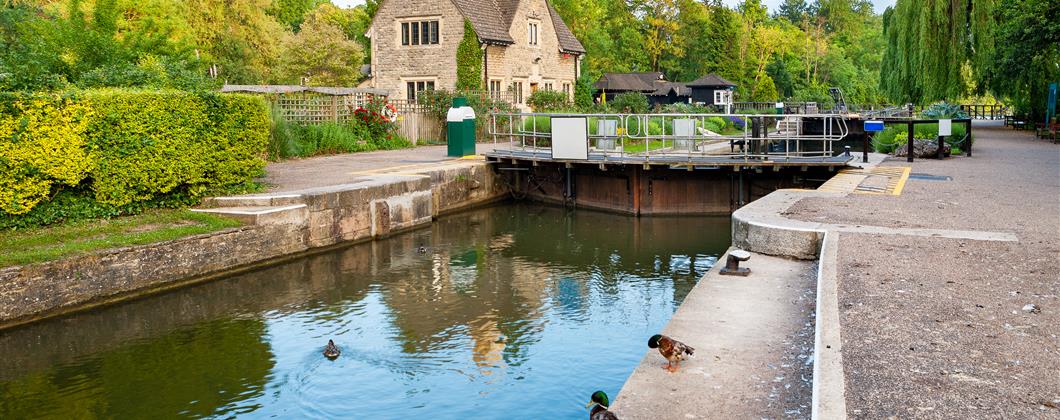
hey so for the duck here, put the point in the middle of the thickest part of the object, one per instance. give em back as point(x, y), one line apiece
point(599, 403)
point(331, 351)
point(422, 250)
point(674, 351)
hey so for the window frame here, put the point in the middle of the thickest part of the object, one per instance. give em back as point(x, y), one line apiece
point(533, 32)
point(419, 31)
point(413, 87)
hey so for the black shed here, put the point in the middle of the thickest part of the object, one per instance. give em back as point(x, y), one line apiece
point(705, 90)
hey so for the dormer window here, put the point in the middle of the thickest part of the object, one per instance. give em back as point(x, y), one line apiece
point(532, 32)
point(420, 32)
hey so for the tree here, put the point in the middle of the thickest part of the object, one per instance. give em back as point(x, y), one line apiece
point(794, 11)
point(321, 55)
point(238, 40)
point(1026, 55)
point(292, 13)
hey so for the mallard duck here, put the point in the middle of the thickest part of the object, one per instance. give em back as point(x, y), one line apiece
point(331, 351)
point(674, 351)
point(599, 404)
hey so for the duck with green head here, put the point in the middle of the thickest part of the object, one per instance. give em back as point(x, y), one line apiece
point(674, 351)
point(599, 403)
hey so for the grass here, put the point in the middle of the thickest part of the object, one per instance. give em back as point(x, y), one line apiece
point(52, 243)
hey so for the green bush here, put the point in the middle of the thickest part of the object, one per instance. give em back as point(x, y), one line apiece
point(943, 111)
point(539, 124)
point(895, 136)
point(629, 103)
point(115, 151)
point(548, 101)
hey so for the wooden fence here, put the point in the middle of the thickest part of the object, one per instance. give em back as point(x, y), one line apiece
point(317, 105)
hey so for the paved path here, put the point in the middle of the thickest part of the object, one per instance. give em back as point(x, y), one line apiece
point(753, 338)
point(934, 327)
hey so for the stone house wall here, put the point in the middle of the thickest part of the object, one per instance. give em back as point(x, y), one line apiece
point(393, 64)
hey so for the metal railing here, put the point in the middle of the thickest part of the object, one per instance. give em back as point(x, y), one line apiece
point(655, 136)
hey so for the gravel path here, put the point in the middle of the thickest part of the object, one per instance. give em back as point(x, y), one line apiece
point(936, 328)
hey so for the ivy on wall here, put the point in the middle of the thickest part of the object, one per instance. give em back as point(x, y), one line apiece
point(469, 61)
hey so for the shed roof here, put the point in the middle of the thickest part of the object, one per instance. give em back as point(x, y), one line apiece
point(640, 82)
point(711, 80)
point(664, 89)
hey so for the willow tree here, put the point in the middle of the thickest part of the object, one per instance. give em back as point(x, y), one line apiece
point(929, 45)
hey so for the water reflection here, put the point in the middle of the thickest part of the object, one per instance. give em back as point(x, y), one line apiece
point(511, 310)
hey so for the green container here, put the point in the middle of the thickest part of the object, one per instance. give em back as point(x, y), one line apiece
point(460, 122)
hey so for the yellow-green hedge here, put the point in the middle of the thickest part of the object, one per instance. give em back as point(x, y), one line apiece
point(124, 147)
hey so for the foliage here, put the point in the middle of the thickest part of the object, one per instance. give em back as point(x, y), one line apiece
point(584, 92)
point(372, 128)
point(292, 12)
point(943, 110)
point(629, 103)
point(125, 149)
point(1025, 55)
point(321, 55)
point(469, 60)
point(548, 101)
point(895, 136)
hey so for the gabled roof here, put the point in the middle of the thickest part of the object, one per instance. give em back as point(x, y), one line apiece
point(711, 80)
point(641, 82)
point(489, 19)
point(664, 89)
point(492, 19)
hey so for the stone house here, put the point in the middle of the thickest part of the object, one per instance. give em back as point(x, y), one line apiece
point(526, 46)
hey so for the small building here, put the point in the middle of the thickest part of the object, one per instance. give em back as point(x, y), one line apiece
point(712, 90)
point(526, 46)
point(612, 84)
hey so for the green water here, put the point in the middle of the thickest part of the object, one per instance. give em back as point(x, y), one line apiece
point(515, 311)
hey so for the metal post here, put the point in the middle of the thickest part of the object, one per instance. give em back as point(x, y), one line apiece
point(865, 148)
point(909, 144)
point(938, 153)
point(968, 132)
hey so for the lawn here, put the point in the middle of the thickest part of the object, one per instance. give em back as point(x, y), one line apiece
point(52, 243)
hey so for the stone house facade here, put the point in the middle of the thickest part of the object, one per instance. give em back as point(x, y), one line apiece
point(527, 46)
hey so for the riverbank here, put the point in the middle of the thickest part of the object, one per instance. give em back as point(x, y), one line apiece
point(278, 225)
point(936, 297)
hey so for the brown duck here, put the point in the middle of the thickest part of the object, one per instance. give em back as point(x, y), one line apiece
point(674, 351)
point(331, 351)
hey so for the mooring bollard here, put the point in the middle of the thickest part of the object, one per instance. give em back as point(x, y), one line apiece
point(732, 264)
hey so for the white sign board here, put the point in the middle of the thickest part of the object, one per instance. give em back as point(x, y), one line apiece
point(684, 128)
point(570, 138)
point(945, 128)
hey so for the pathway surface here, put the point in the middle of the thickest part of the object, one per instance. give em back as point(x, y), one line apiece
point(754, 341)
point(935, 327)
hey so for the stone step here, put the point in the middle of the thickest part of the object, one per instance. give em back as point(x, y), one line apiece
point(291, 214)
point(254, 201)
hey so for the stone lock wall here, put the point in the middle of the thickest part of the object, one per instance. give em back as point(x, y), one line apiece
point(311, 219)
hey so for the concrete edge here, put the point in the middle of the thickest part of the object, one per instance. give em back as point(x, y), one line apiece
point(829, 386)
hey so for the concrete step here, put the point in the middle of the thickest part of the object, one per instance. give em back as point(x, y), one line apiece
point(291, 214)
point(254, 201)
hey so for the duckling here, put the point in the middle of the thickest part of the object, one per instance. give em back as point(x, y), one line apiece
point(599, 404)
point(674, 351)
point(422, 250)
point(331, 351)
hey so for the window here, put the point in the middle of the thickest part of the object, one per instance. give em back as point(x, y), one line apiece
point(566, 89)
point(517, 90)
point(722, 97)
point(532, 33)
point(548, 86)
point(495, 89)
point(420, 33)
point(414, 88)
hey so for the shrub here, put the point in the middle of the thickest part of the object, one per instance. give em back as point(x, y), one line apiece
point(896, 136)
point(42, 145)
point(124, 150)
point(539, 124)
point(630, 103)
point(548, 101)
point(944, 111)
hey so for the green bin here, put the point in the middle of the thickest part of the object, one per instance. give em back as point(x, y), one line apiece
point(460, 122)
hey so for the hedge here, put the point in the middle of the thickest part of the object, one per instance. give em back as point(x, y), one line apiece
point(124, 148)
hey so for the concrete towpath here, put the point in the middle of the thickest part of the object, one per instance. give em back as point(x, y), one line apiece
point(754, 341)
